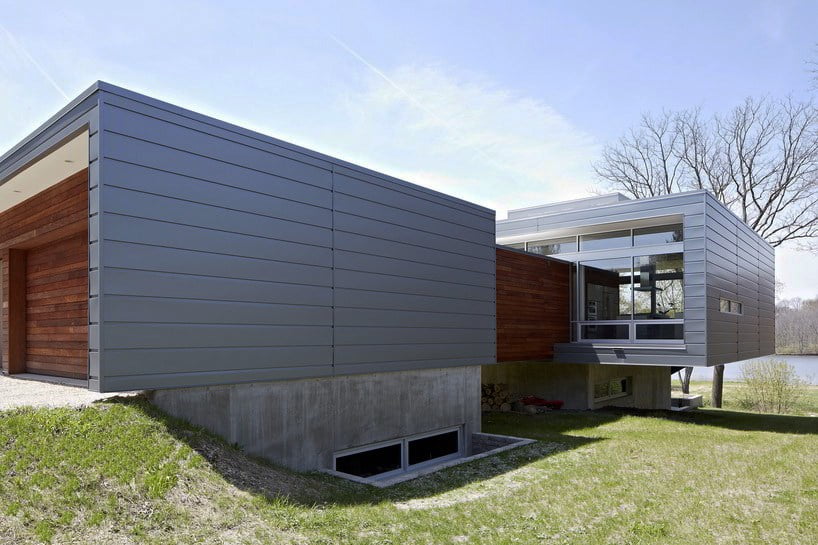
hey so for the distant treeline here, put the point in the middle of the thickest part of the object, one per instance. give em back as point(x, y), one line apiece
point(796, 326)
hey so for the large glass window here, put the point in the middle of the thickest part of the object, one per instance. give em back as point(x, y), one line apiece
point(662, 234)
point(607, 289)
point(553, 246)
point(605, 241)
point(516, 245)
point(632, 291)
point(658, 287)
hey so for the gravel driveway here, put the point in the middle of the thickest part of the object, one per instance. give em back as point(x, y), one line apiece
point(20, 392)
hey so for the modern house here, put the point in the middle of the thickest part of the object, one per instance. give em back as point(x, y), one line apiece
point(326, 316)
point(304, 307)
point(653, 285)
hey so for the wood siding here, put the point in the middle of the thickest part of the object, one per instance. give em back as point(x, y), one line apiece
point(44, 252)
point(532, 306)
point(57, 308)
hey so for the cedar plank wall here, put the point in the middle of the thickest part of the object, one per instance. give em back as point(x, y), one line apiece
point(532, 306)
point(49, 234)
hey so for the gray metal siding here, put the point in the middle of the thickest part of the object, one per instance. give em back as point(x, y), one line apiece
point(226, 256)
point(401, 304)
point(740, 267)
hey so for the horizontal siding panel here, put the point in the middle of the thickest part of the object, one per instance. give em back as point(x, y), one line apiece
point(409, 335)
point(157, 233)
point(159, 335)
point(400, 200)
point(144, 205)
point(396, 284)
point(159, 284)
point(365, 299)
point(409, 365)
point(403, 218)
point(363, 317)
point(279, 197)
point(694, 325)
point(412, 236)
point(152, 361)
point(411, 189)
point(191, 311)
point(402, 352)
point(373, 245)
point(183, 139)
point(400, 267)
point(694, 268)
point(126, 255)
point(190, 379)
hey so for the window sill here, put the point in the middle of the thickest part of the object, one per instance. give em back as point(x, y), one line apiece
point(633, 346)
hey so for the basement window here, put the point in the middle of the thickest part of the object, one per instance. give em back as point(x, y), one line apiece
point(433, 447)
point(368, 463)
point(612, 389)
point(384, 460)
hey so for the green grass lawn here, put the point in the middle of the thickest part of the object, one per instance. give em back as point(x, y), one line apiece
point(807, 405)
point(124, 473)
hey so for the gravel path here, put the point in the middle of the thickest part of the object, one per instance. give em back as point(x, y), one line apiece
point(20, 392)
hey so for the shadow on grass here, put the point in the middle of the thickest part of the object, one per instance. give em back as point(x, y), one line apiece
point(746, 421)
point(568, 421)
point(274, 483)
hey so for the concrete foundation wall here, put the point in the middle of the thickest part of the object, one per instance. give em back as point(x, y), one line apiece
point(547, 380)
point(650, 385)
point(573, 383)
point(301, 423)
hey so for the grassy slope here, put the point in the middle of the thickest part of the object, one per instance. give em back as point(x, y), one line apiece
point(124, 473)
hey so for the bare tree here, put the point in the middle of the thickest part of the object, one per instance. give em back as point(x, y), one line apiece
point(796, 326)
point(760, 159)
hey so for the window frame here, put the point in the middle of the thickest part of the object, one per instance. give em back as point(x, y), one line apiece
point(627, 392)
point(404, 453)
point(731, 303)
point(579, 322)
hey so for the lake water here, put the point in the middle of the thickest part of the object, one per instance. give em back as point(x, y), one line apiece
point(805, 366)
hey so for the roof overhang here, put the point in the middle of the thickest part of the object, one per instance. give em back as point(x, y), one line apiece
point(51, 168)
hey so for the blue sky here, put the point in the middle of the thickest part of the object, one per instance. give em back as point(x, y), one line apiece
point(503, 103)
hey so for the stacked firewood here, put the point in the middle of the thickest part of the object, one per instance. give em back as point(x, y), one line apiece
point(496, 397)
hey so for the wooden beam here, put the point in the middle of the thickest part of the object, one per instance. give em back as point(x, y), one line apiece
point(17, 311)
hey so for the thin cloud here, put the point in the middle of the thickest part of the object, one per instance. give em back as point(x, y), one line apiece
point(533, 154)
point(402, 91)
point(23, 52)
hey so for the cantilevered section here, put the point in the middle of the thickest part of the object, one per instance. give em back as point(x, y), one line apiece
point(676, 280)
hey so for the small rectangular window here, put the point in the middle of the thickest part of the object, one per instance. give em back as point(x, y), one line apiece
point(613, 388)
point(730, 307)
point(661, 234)
point(371, 462)
point(553, 246)
point(605, 241)
point(433, 447)
point(605, 331)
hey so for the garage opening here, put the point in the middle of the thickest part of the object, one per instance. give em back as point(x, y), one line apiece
point(44, 261)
